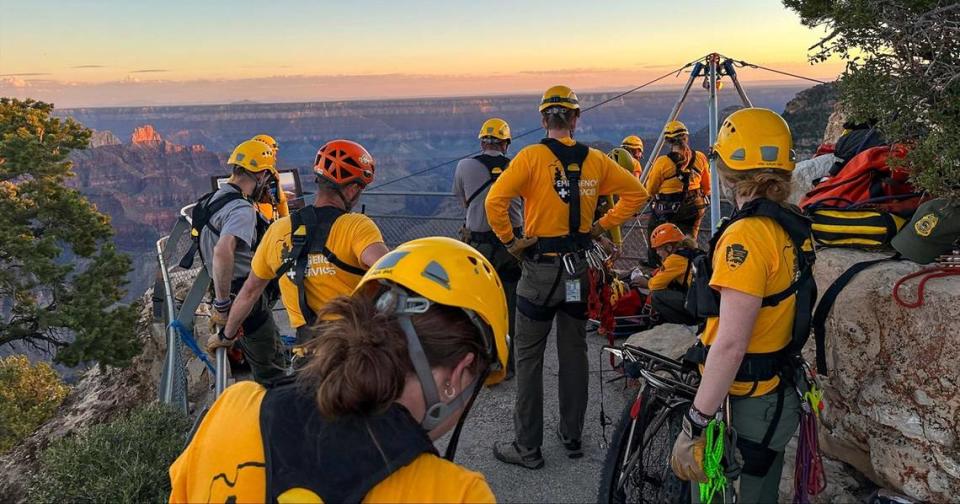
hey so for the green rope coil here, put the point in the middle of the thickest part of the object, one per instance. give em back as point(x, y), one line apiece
point(712, 456)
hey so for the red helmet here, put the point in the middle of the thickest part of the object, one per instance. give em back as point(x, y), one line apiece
point(343, 162)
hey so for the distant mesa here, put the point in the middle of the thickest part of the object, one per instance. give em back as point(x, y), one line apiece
point(103, 138)
point(145, 135)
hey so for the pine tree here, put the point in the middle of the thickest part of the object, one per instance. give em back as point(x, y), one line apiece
point(61, 277)
point(903, 70)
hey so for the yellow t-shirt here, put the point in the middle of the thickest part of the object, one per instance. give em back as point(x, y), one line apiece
point(349, 237)
point(663, 178)
point(533, 174)
point(224, 462)
point(670, 271)
point(755, 256)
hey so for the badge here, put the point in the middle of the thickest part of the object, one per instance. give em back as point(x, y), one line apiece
point(736, 255)
point(924, 227)
point(573, 291)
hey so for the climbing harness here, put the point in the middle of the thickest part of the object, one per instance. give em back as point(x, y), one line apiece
point(946, 265)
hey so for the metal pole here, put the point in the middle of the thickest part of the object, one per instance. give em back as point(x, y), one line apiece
point(712, 70)
point(221, 378)
point(652, 156)
point(732, 72)
point(171, 358)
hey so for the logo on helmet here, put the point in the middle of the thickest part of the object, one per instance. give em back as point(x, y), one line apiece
point(366, 159)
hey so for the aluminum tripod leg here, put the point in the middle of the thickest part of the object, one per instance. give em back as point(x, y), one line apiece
point(652, 155)
point(713, 62)
point(732, 72)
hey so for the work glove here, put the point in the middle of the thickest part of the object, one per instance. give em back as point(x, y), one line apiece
point(219, 314)
point(597, 230)
point(219, 340)
point(687, 456)
point(516, 246)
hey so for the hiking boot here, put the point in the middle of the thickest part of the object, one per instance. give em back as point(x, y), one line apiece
point(573, 446)
point(512, 453)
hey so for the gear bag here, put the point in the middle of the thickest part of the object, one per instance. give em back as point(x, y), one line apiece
point(310, 228)
point(702, 301)
point(865, 204)
point(200, 217)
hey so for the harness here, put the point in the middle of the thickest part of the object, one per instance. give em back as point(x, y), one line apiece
point(689, 254)
point(310, 229)
point(200, 218)
point(702, 301)
point(495, 165)
point(571, 157)
point(339, 460)
point(665, 205)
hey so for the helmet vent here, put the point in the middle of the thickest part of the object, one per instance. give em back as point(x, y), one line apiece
point(390, 260)
point(435, 272)
point(739, 155)
point(769, 153)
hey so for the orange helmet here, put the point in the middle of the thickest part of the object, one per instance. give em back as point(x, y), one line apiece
point(665, 234)
point(344, 162)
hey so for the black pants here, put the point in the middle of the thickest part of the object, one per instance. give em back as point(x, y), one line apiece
point(668, 303)
point(508, 268)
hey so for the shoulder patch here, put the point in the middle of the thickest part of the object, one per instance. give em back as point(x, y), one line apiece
point(736, 255)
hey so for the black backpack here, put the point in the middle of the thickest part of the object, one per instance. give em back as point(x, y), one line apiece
point(702, 301)
point(200, 217)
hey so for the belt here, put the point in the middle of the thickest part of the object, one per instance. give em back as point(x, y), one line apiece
point(490, 236)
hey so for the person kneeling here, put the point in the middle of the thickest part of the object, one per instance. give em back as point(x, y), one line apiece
point(669, 284)
point(393, 368)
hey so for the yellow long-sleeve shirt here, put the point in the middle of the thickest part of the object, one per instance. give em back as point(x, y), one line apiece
point(663, 178)
point(532, 175)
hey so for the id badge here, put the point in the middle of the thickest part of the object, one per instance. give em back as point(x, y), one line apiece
point(573, 291)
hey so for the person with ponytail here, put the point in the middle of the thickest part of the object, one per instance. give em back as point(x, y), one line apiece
point(391, 369)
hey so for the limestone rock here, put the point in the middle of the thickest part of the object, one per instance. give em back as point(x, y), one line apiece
point(892, 405)
point(671, 340)
point(806, 172)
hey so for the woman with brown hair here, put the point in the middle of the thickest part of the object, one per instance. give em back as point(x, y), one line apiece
point(756, 291)
point(392, 368)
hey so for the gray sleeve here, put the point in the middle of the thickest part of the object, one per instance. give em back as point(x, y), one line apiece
point(458, 184)
point(241, 221)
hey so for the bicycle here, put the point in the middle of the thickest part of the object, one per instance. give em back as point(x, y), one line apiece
point(637, 466)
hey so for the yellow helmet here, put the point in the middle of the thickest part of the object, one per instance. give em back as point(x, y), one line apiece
point(559, 96)
point(267, 139)
point(673, 129)
point(755, 138)
point(632, 142)
point(449, 272)
point(496, 128)
point(253, 156)
point(622, 157)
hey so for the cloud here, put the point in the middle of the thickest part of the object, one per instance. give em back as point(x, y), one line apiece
point(26, 74)
point(151, 70)
point(88, 66)
point(14, 82)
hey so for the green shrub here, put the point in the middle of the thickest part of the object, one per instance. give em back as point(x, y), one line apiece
point(29, 394)
point(122, 461)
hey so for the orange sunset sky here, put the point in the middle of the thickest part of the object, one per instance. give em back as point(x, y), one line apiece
point(111, 52)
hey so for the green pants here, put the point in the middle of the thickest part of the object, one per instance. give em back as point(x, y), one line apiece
point(261, 345)
point(541, 296)
point(752, 417)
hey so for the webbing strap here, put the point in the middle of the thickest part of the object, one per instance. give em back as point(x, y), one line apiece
point(826, 304)
point(571, 157)
point(492, 163)
point(208, 208)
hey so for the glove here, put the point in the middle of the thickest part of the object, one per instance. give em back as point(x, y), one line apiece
point(218, 317)
point(219, 340)
point(596, 231)
point(516, 246)
point(687, 456)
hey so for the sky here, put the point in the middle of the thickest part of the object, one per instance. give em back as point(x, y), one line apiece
point(118, 52)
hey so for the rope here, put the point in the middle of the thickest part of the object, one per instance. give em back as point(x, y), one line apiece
point(742, 63)
point(927, 274)
point(808, 475)
point(534, 130)
point(191, 343)
point(712, 467)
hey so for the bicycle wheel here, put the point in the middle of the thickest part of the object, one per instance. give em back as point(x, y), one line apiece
point(639, 456)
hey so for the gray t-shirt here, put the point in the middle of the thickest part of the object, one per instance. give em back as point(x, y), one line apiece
point(470, 176)
point(237, 218)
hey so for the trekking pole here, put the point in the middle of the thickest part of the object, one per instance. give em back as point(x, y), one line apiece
point(220, 382)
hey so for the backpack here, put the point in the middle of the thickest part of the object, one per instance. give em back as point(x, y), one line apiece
point(690, 254)
point(309, 230)
point(702, 301)
point(860, 138)
point(495, 165)
point(865, 204)
point(200, 216)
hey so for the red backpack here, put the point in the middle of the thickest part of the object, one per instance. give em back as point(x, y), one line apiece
point(866, 203)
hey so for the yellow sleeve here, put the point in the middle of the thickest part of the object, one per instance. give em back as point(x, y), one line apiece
point(655, 179)
point(673, 267)
point(616, 180)
point(267, 258)
point(704, 174)
point(738, 262)
point(364, 234)
point(508, 186)
point(478, 491)
point(637, 168)
point(283, 208)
